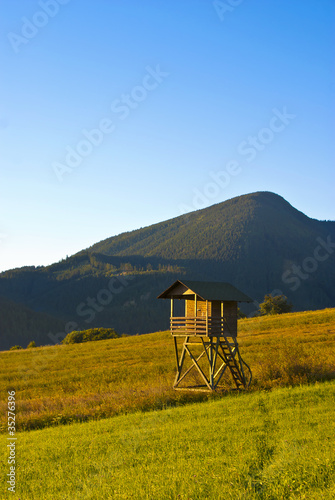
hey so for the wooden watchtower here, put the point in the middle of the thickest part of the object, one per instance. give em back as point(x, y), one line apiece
point(209, 333)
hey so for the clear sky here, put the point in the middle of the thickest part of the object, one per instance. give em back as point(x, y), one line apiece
point(119, 114)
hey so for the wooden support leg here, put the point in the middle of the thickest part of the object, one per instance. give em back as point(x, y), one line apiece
point(190, 368)
point(180, 361)
point(222, 349)
point(198, 367)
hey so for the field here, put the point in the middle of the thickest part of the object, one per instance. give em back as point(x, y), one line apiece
point(265, 445)
point(275, 441)
point(62, 384)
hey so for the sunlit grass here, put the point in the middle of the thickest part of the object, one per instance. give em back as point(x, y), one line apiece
point(255, 446)
point(59, 384)
point(289, 349)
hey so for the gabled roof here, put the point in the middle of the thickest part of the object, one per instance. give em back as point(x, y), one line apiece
point(206, 290)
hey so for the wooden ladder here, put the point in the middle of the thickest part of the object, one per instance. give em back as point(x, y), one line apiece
point(229, 356)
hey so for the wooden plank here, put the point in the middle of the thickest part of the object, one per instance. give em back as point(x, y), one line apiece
point(231, 362)
point(223, 367)
point(198, 368)
point(210, 359)
point(177, 360)
point(196, 389)
point(180, 363)
point(190, 368)
point(207, 317)
point(205, 349)
point(215, 354)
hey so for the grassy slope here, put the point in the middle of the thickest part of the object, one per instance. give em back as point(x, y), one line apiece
point(266, 445)
point(62, 384)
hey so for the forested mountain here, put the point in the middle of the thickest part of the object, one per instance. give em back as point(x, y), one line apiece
point(19, 325)
point(258, 242)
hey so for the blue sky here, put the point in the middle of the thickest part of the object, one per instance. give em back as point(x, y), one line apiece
point(117, 115)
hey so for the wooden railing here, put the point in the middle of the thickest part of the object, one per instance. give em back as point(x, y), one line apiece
point(211, 326)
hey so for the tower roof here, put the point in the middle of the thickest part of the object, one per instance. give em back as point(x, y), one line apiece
point(205, 290)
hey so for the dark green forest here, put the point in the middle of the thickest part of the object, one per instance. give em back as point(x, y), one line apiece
point(257, 242)
point(20, 325)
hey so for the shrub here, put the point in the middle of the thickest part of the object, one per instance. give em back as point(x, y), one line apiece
point(15, 347)
point(31, 344)
point(90, 335)
point(275, 305)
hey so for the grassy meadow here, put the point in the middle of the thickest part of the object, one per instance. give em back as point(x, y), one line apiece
point(75, 383)
point(274, 441)
point(267, 445)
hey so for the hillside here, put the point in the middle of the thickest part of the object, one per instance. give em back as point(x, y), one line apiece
point(258, 242)
point(19, 324)
point(218, 232)
point(79, 382)
point(274, 441)
point(260, 446)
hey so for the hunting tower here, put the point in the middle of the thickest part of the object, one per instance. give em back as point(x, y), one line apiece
point(209, 333)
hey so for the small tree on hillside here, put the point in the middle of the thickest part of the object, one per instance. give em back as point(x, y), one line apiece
point(275, 305)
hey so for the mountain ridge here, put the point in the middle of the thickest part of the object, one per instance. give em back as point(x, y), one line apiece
point(189, 214)
point(258, 242)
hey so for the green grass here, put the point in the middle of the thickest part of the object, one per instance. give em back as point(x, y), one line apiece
point(262, 445)
point(61, 384)
point(275, 441)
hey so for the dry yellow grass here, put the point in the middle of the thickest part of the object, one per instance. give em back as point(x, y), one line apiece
point(289, 349)
point(60, 384)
